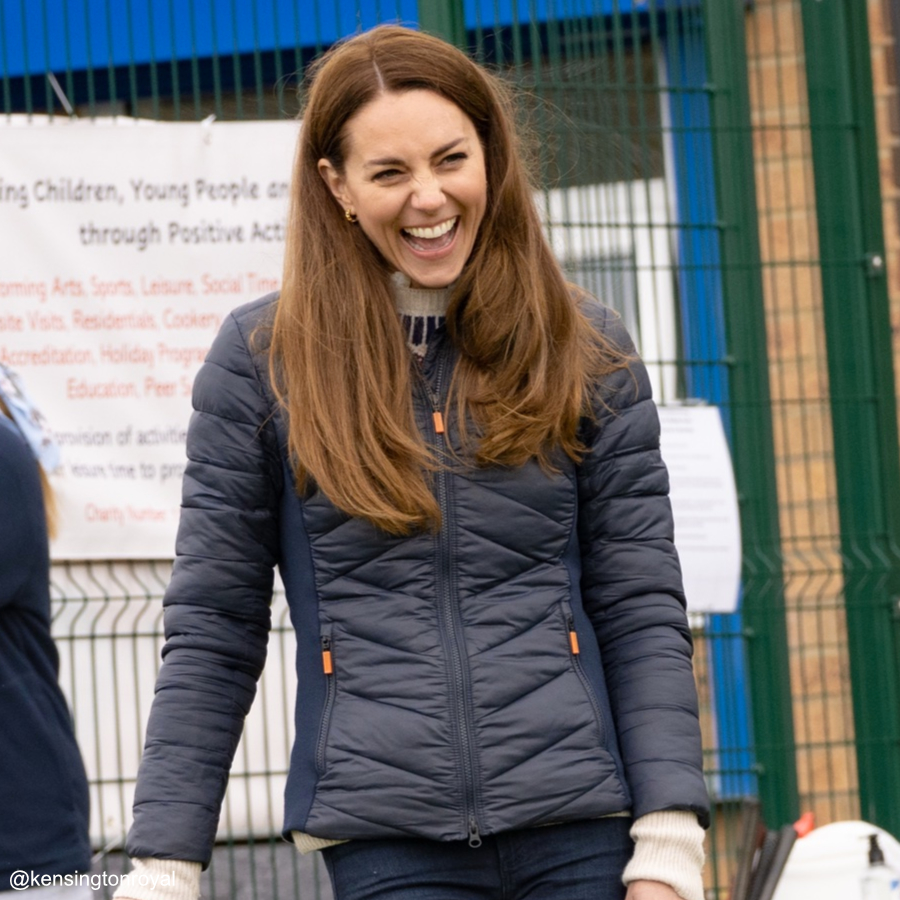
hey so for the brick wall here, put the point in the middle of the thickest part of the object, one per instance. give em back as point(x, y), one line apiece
point(820, 682)
point(883, 38)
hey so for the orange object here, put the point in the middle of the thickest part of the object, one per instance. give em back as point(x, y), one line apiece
point(805, 824)
point(326, 661)
point(438, 422)
point(573, 643)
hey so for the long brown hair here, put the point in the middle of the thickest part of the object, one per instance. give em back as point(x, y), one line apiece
point(339, 362)
point(51, 511)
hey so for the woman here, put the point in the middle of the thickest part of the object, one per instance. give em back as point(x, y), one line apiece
point(453, 459)
point(43, 787)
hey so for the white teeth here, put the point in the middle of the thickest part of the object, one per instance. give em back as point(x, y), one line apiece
point(434, 232)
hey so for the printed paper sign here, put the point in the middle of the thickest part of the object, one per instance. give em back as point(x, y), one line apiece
point(125, 245)
point(704, 504)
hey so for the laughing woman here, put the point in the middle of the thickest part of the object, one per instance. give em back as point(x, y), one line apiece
point(452, 457)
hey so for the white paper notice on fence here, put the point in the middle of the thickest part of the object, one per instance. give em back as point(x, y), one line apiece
point(125, 244)
point(704, 505)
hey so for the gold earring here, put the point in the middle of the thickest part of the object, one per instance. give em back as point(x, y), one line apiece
point(351, 216)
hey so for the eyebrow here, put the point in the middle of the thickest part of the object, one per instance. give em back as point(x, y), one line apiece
point(394, 161)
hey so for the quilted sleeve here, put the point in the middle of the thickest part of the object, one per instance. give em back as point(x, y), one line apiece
point(217, 608)
point(633, 594)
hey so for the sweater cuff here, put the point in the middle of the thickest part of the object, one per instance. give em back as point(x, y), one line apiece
point(160, 879)
point(668, 847)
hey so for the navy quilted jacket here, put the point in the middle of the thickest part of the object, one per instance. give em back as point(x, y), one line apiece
point(528, 664)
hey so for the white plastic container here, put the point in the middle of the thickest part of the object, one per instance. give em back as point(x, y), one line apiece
point(830, 862)
point(880, 882)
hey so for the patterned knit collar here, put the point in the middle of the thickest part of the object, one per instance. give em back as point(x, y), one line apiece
point(419, 301)
point(422, 312)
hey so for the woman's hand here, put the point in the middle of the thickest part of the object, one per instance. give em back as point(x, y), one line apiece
point(651, 890)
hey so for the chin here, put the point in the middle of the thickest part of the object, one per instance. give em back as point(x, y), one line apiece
point(431, 283)
point(434, 280)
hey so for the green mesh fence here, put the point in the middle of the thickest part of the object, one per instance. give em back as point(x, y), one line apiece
point(652, 126)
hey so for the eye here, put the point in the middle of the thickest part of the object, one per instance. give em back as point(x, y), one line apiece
point(454, 159)
point(386, 175)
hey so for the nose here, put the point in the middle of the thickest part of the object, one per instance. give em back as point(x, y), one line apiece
point(427, 195)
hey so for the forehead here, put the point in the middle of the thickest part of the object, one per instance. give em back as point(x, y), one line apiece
point(407, 122)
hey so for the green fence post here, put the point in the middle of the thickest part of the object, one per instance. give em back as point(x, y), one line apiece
point(444, 18)
point(753, 445)
point(860, 370)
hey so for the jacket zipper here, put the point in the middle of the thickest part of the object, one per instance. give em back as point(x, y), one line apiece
point(452, 626)
point(330, 689)
point(575, 653)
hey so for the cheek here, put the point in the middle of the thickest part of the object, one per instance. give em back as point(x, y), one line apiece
point(378, 228)
point(377, 212)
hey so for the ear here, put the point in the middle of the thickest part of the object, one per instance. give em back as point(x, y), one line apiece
point(335, 182)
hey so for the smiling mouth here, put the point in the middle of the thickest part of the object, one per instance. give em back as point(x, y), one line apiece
point(436, 237)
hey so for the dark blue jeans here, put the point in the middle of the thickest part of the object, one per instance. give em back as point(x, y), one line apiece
point(573, 861)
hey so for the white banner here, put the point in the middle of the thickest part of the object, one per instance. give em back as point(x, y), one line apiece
point(125, 244)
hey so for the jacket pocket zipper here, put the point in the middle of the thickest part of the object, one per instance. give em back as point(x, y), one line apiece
point(575, 654)
point(330, 690)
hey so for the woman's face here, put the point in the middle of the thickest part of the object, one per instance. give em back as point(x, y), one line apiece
point(414, 174)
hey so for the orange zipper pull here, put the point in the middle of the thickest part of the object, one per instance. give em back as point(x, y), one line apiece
point(438, 421)
point(326, 656)
point(573, 637)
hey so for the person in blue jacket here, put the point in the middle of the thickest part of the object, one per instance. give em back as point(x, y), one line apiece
point(43, 787)
point(452, 456)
